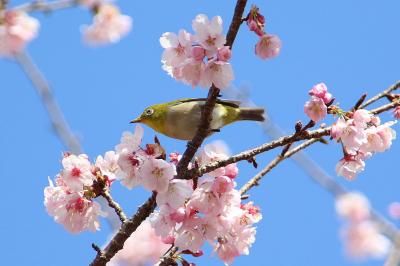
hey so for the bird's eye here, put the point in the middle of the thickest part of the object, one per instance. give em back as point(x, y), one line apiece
point(149, 112)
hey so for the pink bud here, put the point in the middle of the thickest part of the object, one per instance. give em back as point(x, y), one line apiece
point(268, 46)
point(252, 25)
point(231, 170)
point(198, 53)
point(315, 109)
point(224, 54)
point(261, 19)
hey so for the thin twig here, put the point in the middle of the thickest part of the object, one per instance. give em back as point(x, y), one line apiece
point(318, 133)
point(113, 204)
point(127, 228)
point(256, 179)
point(360, 101)
point(381, 95)
point(44, 6)
point(299, 130)
point(58, 122)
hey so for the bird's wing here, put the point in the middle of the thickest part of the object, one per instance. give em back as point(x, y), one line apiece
point(230, 103)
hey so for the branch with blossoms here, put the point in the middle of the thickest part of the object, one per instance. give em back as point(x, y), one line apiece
point(195, 192)
point(367, 228)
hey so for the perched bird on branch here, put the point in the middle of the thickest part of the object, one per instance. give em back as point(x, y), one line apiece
point(180, 119)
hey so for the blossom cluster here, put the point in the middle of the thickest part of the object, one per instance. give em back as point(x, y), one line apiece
point(268, 46)
point(361, 234)
point(190, 212)
point(108, 26)
point(143, 247)
point(17, 29)
point(210, 211)
point(317, 107)
point(361, 134)
point(70, 200)
point(199, 59)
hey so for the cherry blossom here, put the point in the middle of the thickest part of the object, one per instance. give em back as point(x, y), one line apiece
point(129, 157)
point(162, 222)
point(217, 151)
point(209, 33)
point(350, 166)
point(363, 240)
point(200, 59)
point(205, 200)
point(176, 195)
point(108, 165)
point(177, 47)
point(224, 53)
point(251, 213)
point(109, 26)
point(321, 91)
point(361, 118)
point(353, 206)
point(141, 248)
point(191, 72)
point(379, 138)
point(350, 135)
point(316, 109)
point(189, 235)
point(71, 209)
point(219, 73)
point(17, 29)
point(268, 46)
point(156, 174)
point(77, 172)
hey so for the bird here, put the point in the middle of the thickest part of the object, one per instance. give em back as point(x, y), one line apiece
point(179, 119)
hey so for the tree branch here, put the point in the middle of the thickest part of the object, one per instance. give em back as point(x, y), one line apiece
point(381, 95)
point(113, 204)
point(127, 228)
point(256, 179)
point(44, 6)
point(58, 122)
point(318, 133)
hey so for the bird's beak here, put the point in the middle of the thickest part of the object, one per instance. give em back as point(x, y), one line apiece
point(136, 120)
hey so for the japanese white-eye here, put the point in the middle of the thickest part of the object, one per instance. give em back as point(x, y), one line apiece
point(179, 119)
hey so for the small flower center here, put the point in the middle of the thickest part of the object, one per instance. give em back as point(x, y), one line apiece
point(157, 172)
point(211, 40)
point(132, 159)
point(76, 172)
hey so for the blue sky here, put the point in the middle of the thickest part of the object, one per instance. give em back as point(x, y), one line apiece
point(352, 46)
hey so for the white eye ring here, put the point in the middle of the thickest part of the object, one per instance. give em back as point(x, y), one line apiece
point(149, 111)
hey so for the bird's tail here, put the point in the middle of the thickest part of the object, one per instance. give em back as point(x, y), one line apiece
point(254, 114)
